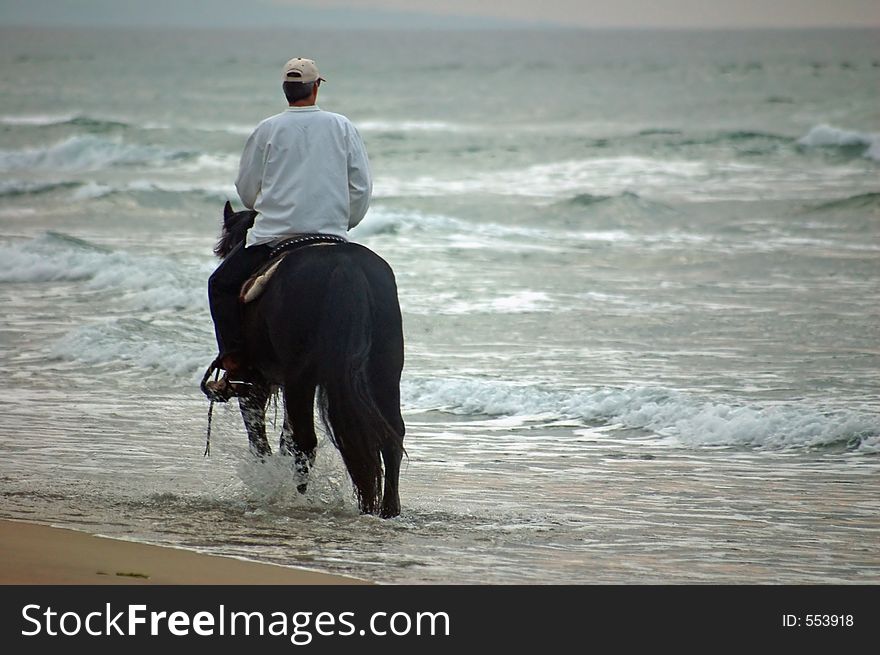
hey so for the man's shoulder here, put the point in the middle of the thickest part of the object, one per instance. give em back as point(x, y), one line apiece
point(334, 117)
point(270, 120)
point(340, 124)
point(265, 126)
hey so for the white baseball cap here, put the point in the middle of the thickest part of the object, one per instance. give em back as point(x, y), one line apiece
point(300, 70)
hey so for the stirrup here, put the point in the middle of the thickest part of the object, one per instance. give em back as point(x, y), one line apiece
point(220, 390)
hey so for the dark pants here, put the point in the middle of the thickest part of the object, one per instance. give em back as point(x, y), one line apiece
point(224, 287)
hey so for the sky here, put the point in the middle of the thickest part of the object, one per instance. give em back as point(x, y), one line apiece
point(665, 14)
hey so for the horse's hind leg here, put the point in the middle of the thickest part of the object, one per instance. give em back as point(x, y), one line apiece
point(387, 394)
point(253, 411)
point(392, 454)
point(298, 436)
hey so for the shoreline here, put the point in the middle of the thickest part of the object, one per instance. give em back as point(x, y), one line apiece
point(37, 554)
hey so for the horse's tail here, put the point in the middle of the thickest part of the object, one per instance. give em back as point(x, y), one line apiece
point(346, 400)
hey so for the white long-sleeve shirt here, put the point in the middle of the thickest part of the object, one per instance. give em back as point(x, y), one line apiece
point(304, 171)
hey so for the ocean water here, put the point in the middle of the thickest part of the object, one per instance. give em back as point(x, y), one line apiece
point(638, 273)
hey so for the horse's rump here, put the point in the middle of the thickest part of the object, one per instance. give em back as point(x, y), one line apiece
point(305, 289)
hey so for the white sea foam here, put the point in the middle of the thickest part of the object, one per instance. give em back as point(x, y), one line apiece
point(384, 220)
point(239, 129)
point(17, 212)
point(660, 179)
point(521, 302)
point(206, 188)
point(138, 343)
point(13, 187)
point(270, 484)
point(85, 153)
point(93, 190)
point(873, 151)
point(144, 282)
point(227, 163)
point(599, 176)
point(42, 260)
point(204, 185)
point(47, 120)
point(151, 125)
point(38, 120)
point(167, 290)
point(466, 234)
point(827, 136)
point(413, 126)
point(681, 419)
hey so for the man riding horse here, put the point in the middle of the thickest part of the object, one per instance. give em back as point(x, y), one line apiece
point(304, 171)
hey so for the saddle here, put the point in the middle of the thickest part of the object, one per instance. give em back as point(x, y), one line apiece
point(256, 283)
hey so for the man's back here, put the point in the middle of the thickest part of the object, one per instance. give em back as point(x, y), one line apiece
point(304, 170)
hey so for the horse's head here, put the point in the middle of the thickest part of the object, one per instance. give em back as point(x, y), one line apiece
point(235, 227)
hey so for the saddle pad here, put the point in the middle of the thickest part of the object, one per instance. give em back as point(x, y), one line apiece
point(254, 286)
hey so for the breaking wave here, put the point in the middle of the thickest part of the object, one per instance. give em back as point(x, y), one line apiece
point(90, 123)
point(826, 136)
point(88, 152)
point(139, 188)
point(861, 201)
point(173, 349)
point(677, 418)
point(412, 126)
point(14, 188)
point(139, 282)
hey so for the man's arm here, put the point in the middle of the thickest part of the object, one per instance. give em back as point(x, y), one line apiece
point(360, 181)
point(250, 170)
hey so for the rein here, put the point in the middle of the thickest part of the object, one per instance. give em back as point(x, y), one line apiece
point(207, 452)
point(216, 372)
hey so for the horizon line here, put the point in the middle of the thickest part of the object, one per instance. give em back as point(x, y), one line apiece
point(524, 27)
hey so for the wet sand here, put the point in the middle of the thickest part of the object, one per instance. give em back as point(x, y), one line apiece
point(40, 555)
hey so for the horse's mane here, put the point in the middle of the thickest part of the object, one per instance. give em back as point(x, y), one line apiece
point(235, 227)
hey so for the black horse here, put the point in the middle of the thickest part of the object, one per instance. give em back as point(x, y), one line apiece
point(328, 325)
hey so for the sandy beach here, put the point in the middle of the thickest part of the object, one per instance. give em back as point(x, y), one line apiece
point(40, 555)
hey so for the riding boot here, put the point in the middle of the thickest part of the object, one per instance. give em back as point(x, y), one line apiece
point(234, 382)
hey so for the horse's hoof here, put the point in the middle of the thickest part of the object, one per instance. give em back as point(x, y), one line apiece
point(389, 512)
point(260, 451)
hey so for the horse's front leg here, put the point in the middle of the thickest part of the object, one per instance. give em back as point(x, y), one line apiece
point(253, 411)
point(298, 435)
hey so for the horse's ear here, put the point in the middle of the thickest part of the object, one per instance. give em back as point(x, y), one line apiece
point(227, 211)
